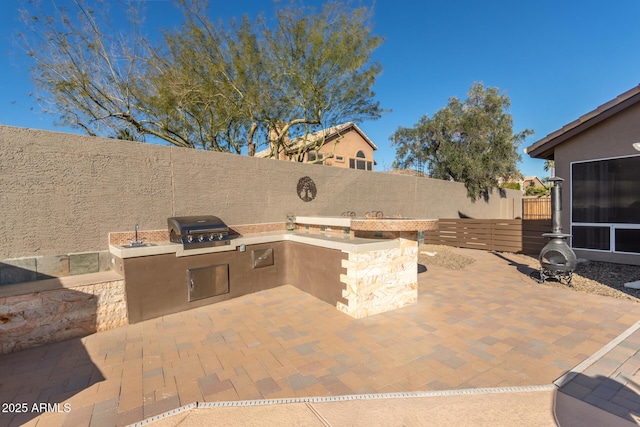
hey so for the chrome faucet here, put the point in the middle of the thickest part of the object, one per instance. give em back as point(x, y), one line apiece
point(136, 241)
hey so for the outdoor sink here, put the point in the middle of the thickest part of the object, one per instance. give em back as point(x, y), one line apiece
point(137, 245)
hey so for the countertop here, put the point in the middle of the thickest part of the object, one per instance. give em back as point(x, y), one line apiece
point(344, 243)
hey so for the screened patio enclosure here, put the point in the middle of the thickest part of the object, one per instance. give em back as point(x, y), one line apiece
point(605, 205)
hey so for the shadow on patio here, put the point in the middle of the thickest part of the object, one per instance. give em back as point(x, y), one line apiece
point(39, 380)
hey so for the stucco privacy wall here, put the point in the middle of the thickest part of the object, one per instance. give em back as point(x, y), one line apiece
point(63, 193)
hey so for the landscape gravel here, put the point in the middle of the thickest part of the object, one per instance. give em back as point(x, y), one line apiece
point(594, 277)
point(443, 256)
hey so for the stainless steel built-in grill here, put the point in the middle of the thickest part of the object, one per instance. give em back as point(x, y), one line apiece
point(198, 231)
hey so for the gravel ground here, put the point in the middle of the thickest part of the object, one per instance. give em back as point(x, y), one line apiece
point(443, 256)
point(601, 278)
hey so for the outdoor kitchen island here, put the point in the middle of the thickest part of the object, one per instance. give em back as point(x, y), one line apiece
point(359, 276)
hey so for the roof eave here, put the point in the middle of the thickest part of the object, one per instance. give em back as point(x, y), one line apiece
point(544, 148)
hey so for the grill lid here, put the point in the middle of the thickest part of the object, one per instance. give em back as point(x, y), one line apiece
point(196, 224)
point(198, 231)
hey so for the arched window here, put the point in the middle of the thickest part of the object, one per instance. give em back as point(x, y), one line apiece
point(359, 162)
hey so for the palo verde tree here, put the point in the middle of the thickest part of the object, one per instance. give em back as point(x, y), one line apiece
point(470, 141)
point(209, 85)
point(85, 70)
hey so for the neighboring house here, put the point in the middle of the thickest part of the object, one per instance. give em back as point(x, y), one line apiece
point(533, 186)
point(522, 184)
point(598, 155)
point(531, 181)
point(344, 146)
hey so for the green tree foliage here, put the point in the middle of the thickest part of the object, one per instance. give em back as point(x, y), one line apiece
point(538, 191)
point(209, 85)
point(511, 186)
point(470, 141)
point(550, 165)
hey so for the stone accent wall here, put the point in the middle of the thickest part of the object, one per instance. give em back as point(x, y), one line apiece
point(379, 281)
point(124, 237)
point(37, 318)
point(257, 228)
point(158, 236)
point(391, 224)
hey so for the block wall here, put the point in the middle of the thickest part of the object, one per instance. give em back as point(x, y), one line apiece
point(63, 193)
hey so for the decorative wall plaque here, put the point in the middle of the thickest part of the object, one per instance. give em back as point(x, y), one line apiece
point(306, 189)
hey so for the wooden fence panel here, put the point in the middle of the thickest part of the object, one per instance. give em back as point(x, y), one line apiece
point(532, 231)
point(491, 234)
point(536, 208)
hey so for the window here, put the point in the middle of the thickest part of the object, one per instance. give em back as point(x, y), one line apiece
point(591, 237)
point(340, 159)
point(360, 163)
point(312, 156)
point(605, 205)
point(627, 240)
point(606, 191)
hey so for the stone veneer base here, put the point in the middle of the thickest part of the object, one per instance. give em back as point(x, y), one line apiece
point(379, 281)
point(61, 312)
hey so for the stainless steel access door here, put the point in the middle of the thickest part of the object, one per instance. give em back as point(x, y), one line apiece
point(206, 282)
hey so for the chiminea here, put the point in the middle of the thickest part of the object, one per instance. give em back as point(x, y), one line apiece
point(557, 259)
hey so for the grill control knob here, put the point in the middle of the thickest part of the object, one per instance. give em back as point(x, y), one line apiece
point(189, 238)
point(201, 238)
point(212, 236)
point(220, 236)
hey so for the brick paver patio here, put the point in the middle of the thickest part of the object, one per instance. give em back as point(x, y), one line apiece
point(486, 326)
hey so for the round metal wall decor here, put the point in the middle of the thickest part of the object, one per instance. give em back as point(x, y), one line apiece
point(306, 189)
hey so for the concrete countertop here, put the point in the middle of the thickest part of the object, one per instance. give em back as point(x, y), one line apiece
point(339, 242)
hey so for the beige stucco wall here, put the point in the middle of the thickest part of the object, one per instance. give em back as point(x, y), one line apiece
point(63, 193)
point(611, 138)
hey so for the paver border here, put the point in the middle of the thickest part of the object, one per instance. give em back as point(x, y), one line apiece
point(566, 378)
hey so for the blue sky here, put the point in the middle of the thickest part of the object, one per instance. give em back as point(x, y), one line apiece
point(555, 59)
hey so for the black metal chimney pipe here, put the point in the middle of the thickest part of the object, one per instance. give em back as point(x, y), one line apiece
point(556, 205)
